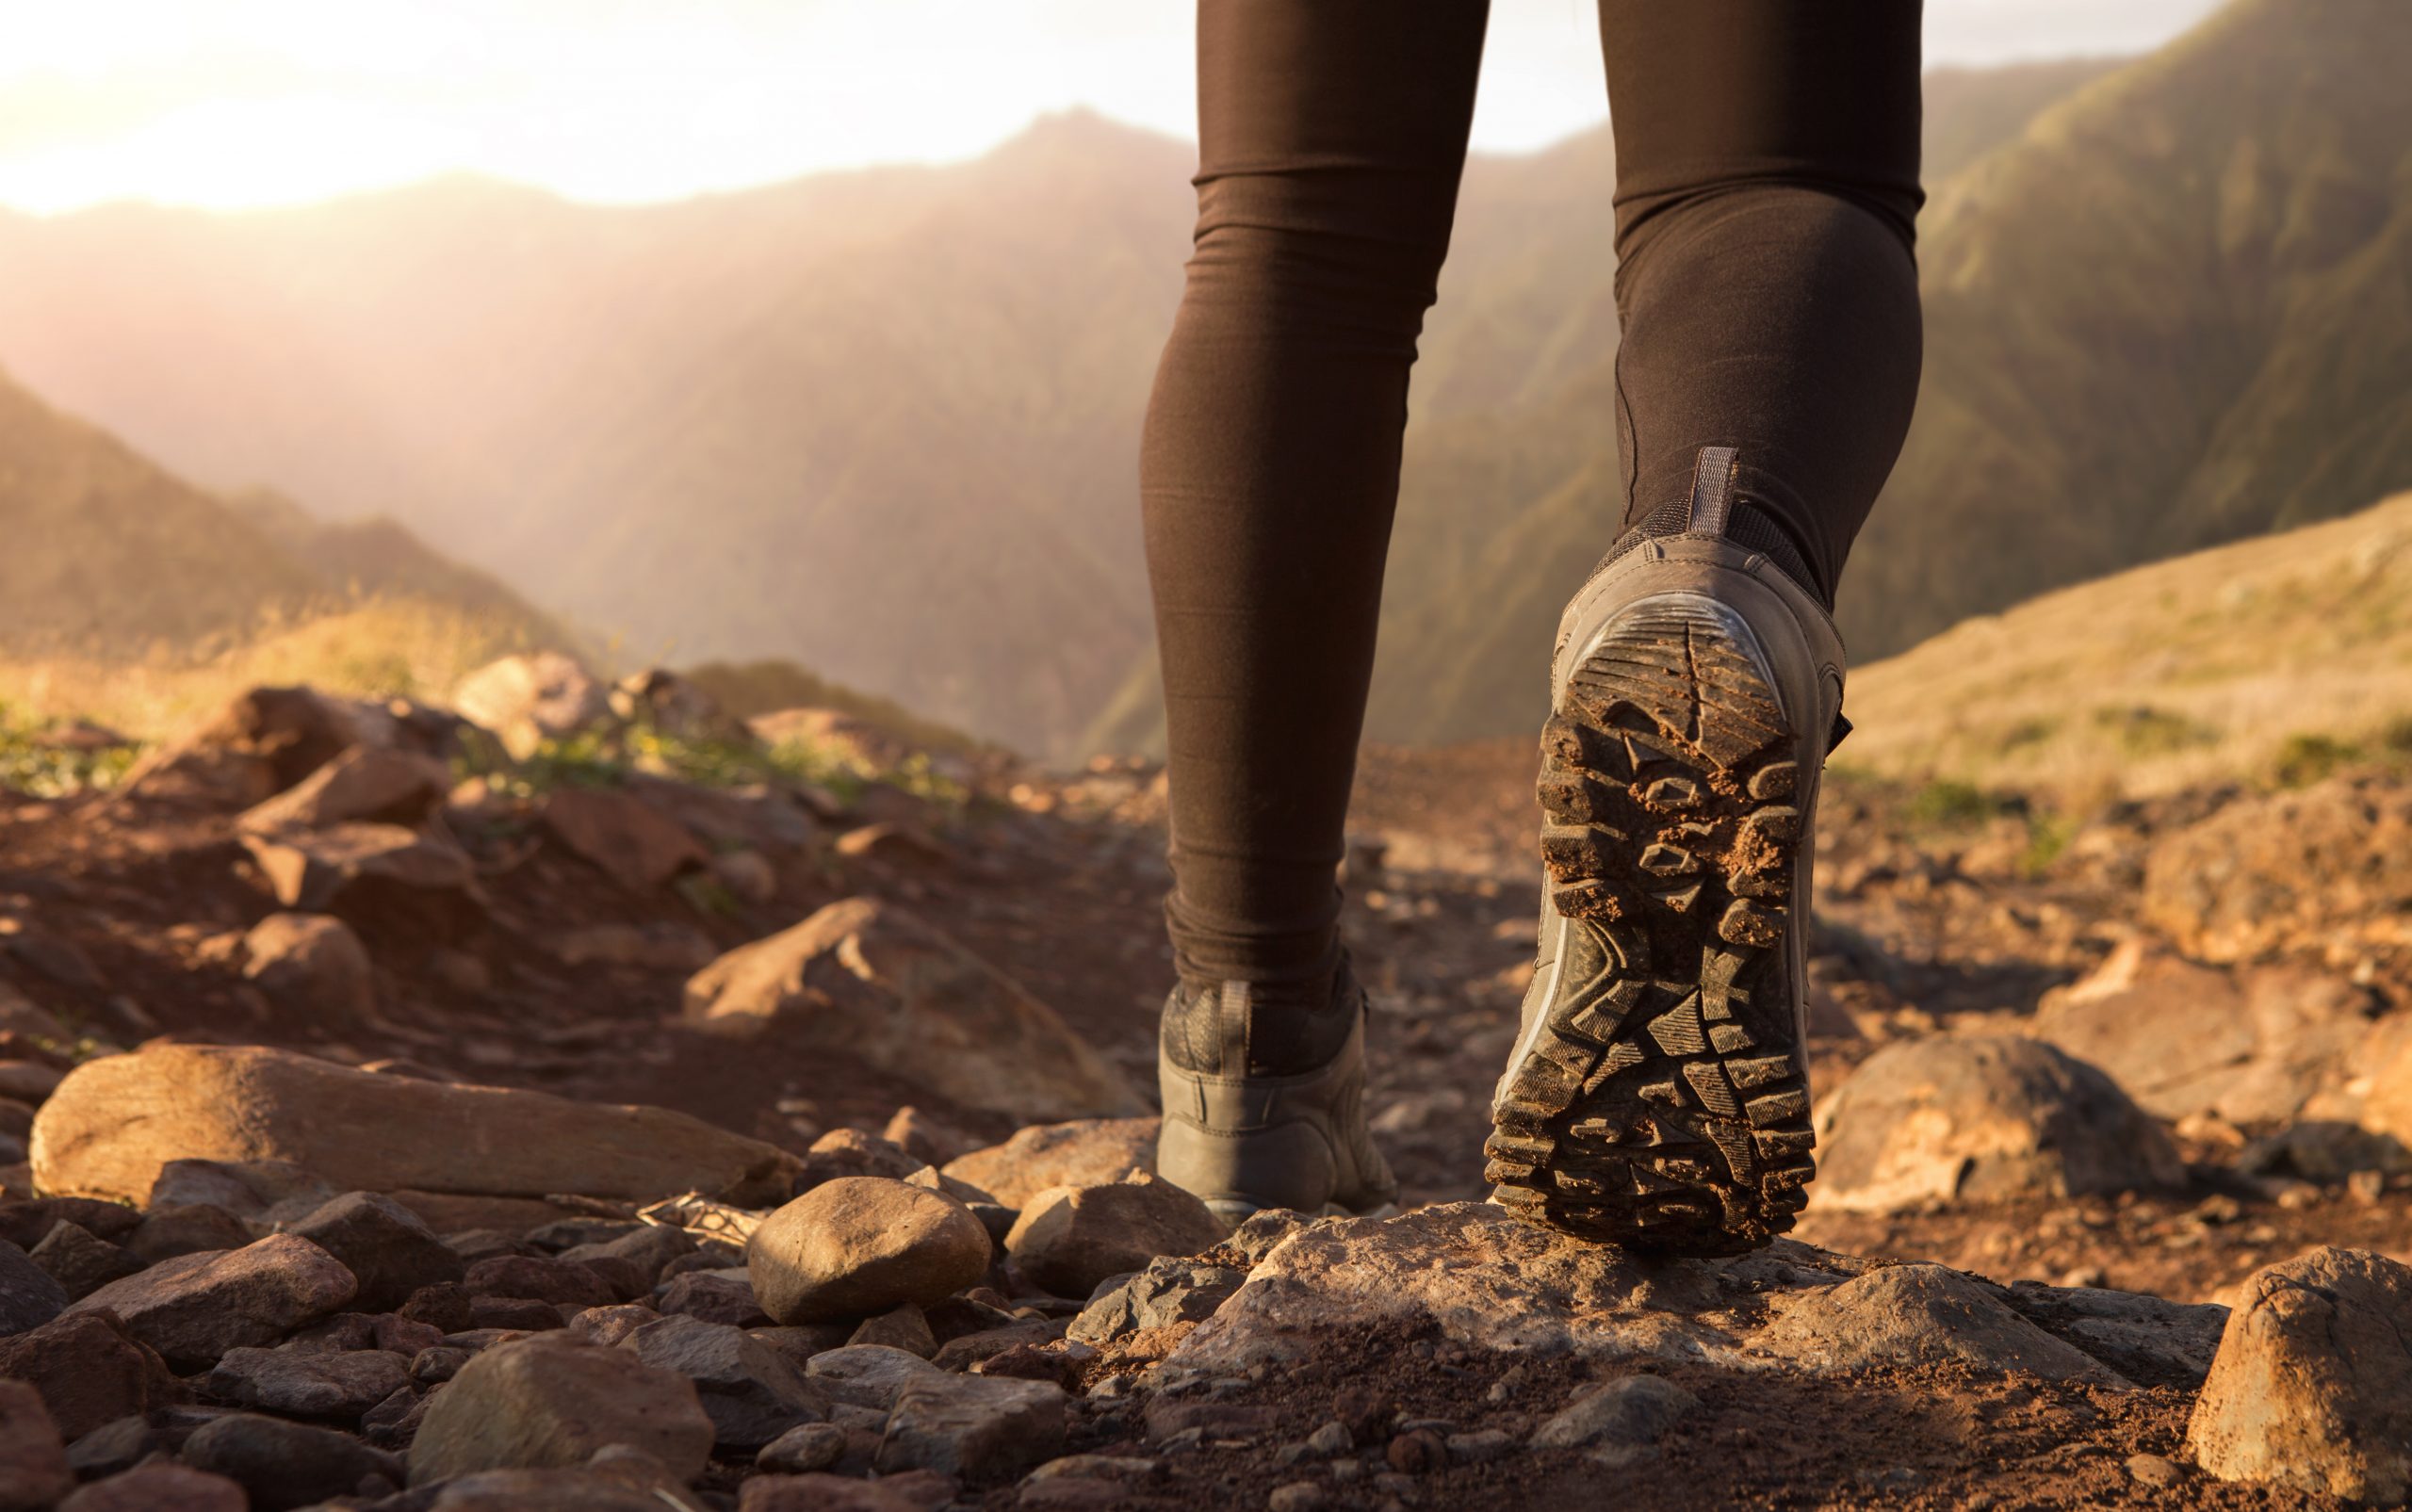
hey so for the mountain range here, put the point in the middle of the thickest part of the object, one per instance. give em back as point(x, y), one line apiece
point(885, 422)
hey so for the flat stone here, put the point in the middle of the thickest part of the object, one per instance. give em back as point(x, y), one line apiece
point(1980, 1118)
point(369, 873)
point(858, 1245)
point(868, 1376)
point(803, 1449)
point(1619, 1421)
point(80, 1262)
point(851, 1152)
point(627, 838)
point(536, 1402)
point(33, 1459)
point(715, 1297)
point(114, 1448)
point(649, 1248)
point(266, 1191)
point(541, 1278)
point(308, 1383)
point(261, 742)
point(195, 1308)
point(31, 1296)
point(1070, 1239)
point(2312, 1385)
point(867, 977)
point(365, 783)
point(118, 1119)
point(1085, 1152)
point(168, 1230)
point(88, 1370)
point(902, 1327)
point(160, 1487)
point(1922, 1315)
point(970, 1351)
point(384, 1244)
point(2148, 1340)
point(973, 1426)
point(1171, 1290)
point(287, 1465)
point(751, 1392)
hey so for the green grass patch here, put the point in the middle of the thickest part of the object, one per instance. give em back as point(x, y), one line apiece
point(2306, 759)
point(34, 759)
point(1949, 804)
point(2143, 730)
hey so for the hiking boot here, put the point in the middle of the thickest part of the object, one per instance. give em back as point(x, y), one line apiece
point(1658, 1094)
point(1245, 1136)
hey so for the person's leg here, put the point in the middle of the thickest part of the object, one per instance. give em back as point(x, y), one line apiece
point(1766, 150)
point(1767, 194)
point(1332, 137)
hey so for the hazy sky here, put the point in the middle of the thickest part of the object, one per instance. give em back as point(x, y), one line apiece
point(257, 102)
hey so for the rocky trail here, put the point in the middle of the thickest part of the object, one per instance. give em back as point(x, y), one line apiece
point(592, 1103)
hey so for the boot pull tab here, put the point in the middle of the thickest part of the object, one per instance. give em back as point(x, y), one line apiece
point(1834, 737)
point(1231, 1025)
point(1712, 473)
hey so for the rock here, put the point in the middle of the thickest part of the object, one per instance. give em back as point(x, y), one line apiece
point(1171, 1290)
point(902, 1327)
point(803, 1449)
point(115, 1448)
point(2312, 1385)
point(749, 875)
point(538, 1403)
point(1620, 1421)
point(1491, 1282)
point(1257, 1235)
point(546, 1490)
point(1086, 1152)
point(159, 1488)
point(2250, 1046)
point(365, 783)
point(88, 1370)
point(287, 1465)
point(270, 1191)
point(118, 1119)
point(2154, 1470)
point(514, 1314)
point(28, 1222)
point(372, 874)
point(195, 1308)
point(1070, 1239)
point(857, 1245)
point(851, 1152)
point(262, 742)
point(1922, 1315)
point(2328, 865)
point(713, 1296)
point(384, 1246)
point(28, 1082)
point(866, 978)
point(821, 1494)
point(1978, 1119)
point(168, 1230)
point(528, 699)
point(632, 841)
point(751, 1392)
point(867, 1375)
point(33, 1461)
point(649, 1248)
point(662, 945)
point(80, 1263)
point(662, 701)
point(30, 1296)
point(973, 1426)
point(2146, 1339)
point(610, 1325)
point(308, 1383)
point(312, 964)
point(541, 1278)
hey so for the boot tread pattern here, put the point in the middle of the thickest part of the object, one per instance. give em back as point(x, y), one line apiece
point(1660, 1104)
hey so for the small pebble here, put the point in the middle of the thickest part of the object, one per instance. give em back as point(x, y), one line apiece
point(1299, 1496)
point(2153, 1470)
point(1480, 1446)
point(1417, 1452)
point(1329, 1440)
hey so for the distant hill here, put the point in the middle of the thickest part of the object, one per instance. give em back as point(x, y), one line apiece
point(884, 423)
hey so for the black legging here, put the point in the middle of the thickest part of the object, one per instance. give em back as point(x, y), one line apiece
point(1767, 187)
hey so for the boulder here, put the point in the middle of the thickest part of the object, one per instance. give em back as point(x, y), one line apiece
point(1922, 1315)
point(384, 1246)
point(867, 978)
point(2250, 1045)
point(1083, 1152)
point(858, 1245)
point(88, 1370)
point(627, 837)
point(371, 874)
point(365, 783)
point(161, 1487)
point(29, 1295)
point(313, 964)
point(2312, 1385)
point(262, 742)
point(33, 1460)
point(308, 1383)
point(538, 1403)
point(1981, 1118)
point(1070, 1239)
point(195, 1308)
point(528, 699)
point(117, 1120)
point(751, 1392)
point(2327, 867)
point(287, 1465)
point(973, 1426)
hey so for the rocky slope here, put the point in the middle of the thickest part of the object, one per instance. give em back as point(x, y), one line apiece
point(666, 1112)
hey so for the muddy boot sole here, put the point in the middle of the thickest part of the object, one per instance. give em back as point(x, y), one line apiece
point(1660, 1102)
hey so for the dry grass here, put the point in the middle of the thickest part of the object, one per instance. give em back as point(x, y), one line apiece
point(390, 648)
point(2264, 662)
